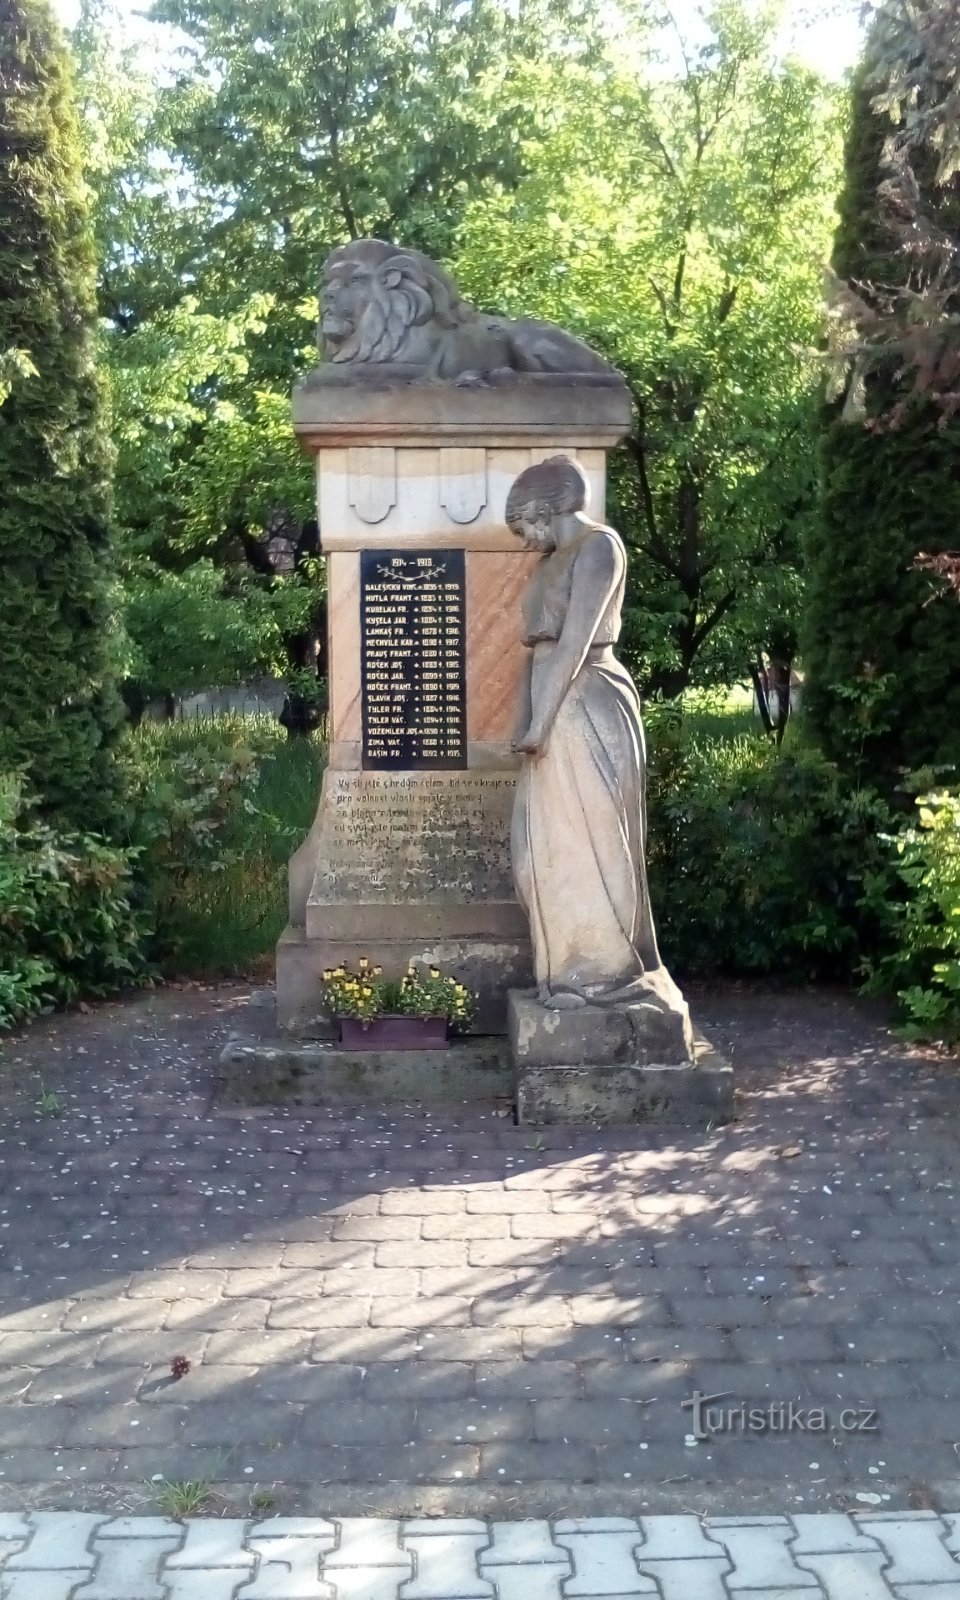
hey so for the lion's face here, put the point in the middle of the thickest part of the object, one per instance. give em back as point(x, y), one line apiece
point(374, 295)
point(344, 296)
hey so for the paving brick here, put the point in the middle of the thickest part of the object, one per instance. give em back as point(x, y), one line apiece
point(127, 1569)
point(676, 1344)
point(13, 1527)
point(176, 1285)
point(473, 1225)
point(550, 1225)
point(591, 1421)
point(325, 1255)
point(828, 1533)
point(521, 1543)
point(531, 1380)
point(603, 1559)
point(785, 1344)
point(366, 1583)
point(330, 1383)
point(528, 1255)
point(42, 1585)
point(515, 1461)
point(469, 1344)
point(425, 1253)
point(474, 1282)
point(424, 1202)
point(501, 1201)
point(296, 1528)
point(760, 1555)
point(218, 1584)
point(433, 1311)
point(682, 1579)
point(589, 1310)
point(445, 1566)
point(329, 1311)
point(572, 1344)
point(59, 1541)
point(921, 1591)
point(243, 1348)
point(373, 1230)
point(141, 1528)
point(366, 1422)
point(517, 1311)
point(110, 1316)
point(419, 1381)
point(211, 1543)
point(916, 1547)
point(288, 1568)
point(852, 1576)
point(48, 1349)
point(370, 1281)
point(677, 1538)
point(473, 1422)
point(215, 1316)
point(150, 1349)
point(367, 1542)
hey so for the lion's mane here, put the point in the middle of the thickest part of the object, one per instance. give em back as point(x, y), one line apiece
point(407, 290)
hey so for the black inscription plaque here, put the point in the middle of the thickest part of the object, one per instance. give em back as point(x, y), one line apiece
point(413, 658)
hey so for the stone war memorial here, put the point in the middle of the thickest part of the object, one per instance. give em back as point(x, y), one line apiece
point(483, 809)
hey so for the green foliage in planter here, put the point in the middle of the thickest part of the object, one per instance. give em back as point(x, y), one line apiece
point(759, 858)
point(882, 690)
point(923, 924)
point(421, 992)
point(68, 928)
point(60, 713)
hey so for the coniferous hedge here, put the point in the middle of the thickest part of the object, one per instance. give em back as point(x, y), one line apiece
point(882, 657)
point(59, 708)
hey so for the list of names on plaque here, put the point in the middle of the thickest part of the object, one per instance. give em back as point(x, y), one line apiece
point(413, 658)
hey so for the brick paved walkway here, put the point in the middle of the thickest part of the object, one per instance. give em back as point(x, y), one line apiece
point(830, 1556)
point(419, 1312)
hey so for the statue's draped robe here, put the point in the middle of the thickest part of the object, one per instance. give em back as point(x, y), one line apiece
point(579, 821)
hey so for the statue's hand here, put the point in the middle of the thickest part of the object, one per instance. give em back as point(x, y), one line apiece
point(531, 743)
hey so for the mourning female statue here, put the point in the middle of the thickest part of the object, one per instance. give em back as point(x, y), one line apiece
point(579, 820)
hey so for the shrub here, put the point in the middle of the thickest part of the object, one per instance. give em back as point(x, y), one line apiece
point(222, 805)
point(758, 858)
point(60, 712)
point(67, 925)
point(923, 925)
point(882, 689)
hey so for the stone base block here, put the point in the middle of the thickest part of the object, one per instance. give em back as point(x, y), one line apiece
point(486, 965)
point(613, 1064)
point(272, 1072)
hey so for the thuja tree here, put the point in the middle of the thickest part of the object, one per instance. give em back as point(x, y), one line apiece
point(882, 656)
point(59, 708)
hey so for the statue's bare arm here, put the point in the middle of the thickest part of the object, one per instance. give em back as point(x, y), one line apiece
point(524, 706)
point(597, 572)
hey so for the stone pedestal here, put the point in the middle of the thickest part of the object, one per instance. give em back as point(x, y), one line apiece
point(408, 858)
point(629, 1063)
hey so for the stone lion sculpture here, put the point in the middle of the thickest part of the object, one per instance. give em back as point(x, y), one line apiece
point(382, 305)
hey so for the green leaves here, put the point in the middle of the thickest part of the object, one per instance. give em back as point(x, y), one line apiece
point(676, 216)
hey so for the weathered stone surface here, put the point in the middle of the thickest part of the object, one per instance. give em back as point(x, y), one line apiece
point(578, 834)
point(384, 306)
point(606, 1064)
point(407, 866)
point(316, 1074)
point(402, 865)
point(635, 1035)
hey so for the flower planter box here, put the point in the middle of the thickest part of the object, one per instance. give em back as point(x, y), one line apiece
point(393, 1033)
